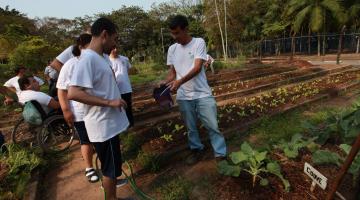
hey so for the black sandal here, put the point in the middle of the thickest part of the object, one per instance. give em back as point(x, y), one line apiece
point(92, 175)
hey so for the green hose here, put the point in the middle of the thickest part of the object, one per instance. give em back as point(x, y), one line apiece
point(131, 179)
point(133, 185)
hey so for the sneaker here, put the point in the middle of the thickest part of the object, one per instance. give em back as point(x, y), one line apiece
point(121, 182)
point(194, 157)
point(91, 175)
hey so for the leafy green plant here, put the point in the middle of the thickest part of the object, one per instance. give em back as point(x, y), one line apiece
point(167, 137)
point(178, 128)
point(177, 188)
point(297, 142)
point(148, 161)
point(253, 162)
point(324, 157)
point(20, 163)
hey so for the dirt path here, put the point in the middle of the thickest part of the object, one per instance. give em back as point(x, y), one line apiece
point(68, 182)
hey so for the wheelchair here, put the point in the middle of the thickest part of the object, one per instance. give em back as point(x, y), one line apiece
point(53, 135)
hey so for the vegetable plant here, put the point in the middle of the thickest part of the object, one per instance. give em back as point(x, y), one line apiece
point(253, 162)
point(291, 148)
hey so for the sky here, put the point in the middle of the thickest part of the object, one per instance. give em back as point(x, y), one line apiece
point(70, 9)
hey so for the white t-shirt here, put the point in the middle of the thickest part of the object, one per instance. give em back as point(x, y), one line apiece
point(14, 82)
point(121, 65)
point(94, 73)
point(182, 57)
point(65, 55)
point(42, 98)
point(63, 83)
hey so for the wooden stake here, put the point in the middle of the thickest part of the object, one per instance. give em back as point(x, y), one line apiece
point(354, 150)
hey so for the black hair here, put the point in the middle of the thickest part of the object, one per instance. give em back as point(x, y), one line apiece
point(23, 81)
point(178, 21)
point(17, 70)
point(82, 40)
point(102, 24)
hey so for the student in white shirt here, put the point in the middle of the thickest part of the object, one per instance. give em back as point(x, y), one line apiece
point(13, 84)
point(73, 111)
point(187, 77)
point(121, 66)
point(93, 83)
point(30, 90)
point(61, 59)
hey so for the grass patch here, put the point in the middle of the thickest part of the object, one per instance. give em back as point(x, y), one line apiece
point(270, 130)
point(148, 161)
point(130, 145)
point(174, 188)
point(145, 72)
point(239, 62)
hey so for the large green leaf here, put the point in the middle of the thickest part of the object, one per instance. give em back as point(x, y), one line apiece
point(238, 157)
point(260, 156)
point(274, 168)
point(229, 170)
point(316, 20)
point(246, 148)
point(346, 148)
point(323, 157)
point(301, 17)
point(291, 153)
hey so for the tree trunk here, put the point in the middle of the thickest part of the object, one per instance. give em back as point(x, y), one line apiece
point(340, 45)
point(220, 29)
point(226, 38)
point(292, 46)
point(319, 45)
point(301, 37)
point(324, 44)
point(358, 44)
point(309, 42)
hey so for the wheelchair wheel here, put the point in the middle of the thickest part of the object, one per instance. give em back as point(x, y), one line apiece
point(24, 134)
point(55, 134)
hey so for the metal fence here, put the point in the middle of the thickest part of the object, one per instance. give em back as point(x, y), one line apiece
point(309, 44)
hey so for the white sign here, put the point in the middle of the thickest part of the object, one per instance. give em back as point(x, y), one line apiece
point(315, 175)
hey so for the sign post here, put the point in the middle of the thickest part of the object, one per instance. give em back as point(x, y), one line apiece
point(316, 176)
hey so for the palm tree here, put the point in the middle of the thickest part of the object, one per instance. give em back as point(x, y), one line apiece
point(312, 14)
point(353, 8)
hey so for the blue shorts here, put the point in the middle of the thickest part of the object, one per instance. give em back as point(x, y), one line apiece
point(110, 157)
point(82, 133)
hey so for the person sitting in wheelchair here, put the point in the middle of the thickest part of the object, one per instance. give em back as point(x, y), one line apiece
point(30, 90)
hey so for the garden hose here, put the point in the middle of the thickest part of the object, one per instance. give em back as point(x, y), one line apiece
point(131, 180)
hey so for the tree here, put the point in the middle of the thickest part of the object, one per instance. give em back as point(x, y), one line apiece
point(33, 53)
point(312, 14)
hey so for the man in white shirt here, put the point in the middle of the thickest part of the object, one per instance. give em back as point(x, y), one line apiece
point(30, 90)
point(121, 66)
point(13, 84)
point(187, 76)
point(73, 111)
point(62, 58)
point(93, 84)
point(51, 76)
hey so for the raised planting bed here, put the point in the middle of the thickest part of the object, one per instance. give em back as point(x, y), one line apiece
point(221, 78)
point(152, 110)
point(162, 137)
